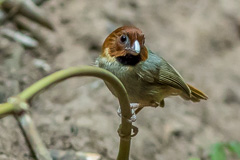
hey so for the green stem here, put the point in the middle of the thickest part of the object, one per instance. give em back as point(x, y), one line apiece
point(126, 127)
point(5, 109)
point(124, 147)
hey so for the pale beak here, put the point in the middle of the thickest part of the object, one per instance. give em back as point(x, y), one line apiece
point(136, 47)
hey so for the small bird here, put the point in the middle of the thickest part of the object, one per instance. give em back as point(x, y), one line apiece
point(147, 77)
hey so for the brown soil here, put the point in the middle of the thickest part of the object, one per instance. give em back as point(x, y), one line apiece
point(200, 38)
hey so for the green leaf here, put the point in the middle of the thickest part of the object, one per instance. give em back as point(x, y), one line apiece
point(234, 147)
point(194, 159)
point(217, 152)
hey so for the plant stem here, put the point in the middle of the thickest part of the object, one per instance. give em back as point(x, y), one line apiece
point(124, 147)
point(126, 127)
point(32, 137)
point(6, 108)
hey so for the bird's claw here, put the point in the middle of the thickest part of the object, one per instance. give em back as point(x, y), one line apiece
point(119, 112)
point(133, 117)
point(134, 105)
point(127, 137)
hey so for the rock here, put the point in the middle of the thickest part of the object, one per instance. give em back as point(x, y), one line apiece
point(71, 155)
point(42, 64)
point(19, 37)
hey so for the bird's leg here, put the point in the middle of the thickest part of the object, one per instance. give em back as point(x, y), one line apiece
point(140, 106)
point(136, 108)
point(135, 105)
point(132, 106)
point(134, 117)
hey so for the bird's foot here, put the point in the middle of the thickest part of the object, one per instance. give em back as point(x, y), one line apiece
point(135, 105)
point(127, 137)
point(133, 117)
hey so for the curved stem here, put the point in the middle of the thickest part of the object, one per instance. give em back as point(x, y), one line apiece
point(126, 127)
point(124, 147)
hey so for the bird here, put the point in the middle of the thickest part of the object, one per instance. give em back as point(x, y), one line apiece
point(147, 77)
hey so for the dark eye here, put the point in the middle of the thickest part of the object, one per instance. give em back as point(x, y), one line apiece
point(123, 39)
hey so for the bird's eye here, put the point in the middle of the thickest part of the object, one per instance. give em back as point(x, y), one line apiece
point(123, 38)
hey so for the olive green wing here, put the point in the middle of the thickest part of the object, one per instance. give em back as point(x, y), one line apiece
point(156, 70)
point(169, 76)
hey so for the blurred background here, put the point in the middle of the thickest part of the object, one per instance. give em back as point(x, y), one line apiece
point(200, 38)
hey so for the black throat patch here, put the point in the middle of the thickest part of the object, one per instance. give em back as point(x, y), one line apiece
point(129, 59)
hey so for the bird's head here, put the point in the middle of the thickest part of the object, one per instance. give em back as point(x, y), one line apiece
point(126, 45)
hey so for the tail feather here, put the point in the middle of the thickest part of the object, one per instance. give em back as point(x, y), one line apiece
point(196, 95)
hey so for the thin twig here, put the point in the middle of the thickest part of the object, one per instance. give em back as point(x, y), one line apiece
point(32, 137)
point(30, 10)
point(21, 113)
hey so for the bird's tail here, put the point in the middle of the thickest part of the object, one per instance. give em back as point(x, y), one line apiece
point(196, 94)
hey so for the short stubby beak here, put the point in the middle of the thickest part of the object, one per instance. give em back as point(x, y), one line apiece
point(136, 47)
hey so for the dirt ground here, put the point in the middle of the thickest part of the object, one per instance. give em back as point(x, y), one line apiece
point(200, 38)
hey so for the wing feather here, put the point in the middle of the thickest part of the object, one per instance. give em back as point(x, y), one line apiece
point(156, 70)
